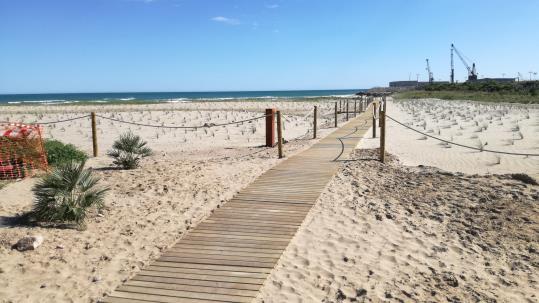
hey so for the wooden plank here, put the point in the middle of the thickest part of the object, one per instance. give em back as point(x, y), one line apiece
point(184, 294)
point(240, 225)
point(261, 212)
point(244, 231)
point(216, 235)
point(220, 239)
point(215, 278)
point(193, 288)
point(222, 252)
point(233, 244)
point(253, 222)
point(227, 248)
point(155, 298)
point(219, 262)
point(208, 256)
point(210, 272)
point(181, 281)
point(212, 267)
point(110, 299)
point(260, 217)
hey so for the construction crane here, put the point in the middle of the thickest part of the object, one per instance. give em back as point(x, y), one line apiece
point(472, 73)
point(431, 77)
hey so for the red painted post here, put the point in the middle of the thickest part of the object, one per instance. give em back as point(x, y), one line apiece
point(270, 127)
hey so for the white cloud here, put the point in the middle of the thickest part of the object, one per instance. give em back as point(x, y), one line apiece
point(226, 20)
point(272, 5)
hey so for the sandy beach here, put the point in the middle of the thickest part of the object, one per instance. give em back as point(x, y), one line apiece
point(78, 132)
point(175, 151)
point(147, 209)
point(493, 126)
point(395, 232)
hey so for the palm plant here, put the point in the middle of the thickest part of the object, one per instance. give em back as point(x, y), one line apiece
point(128, 150)
point(66, 194)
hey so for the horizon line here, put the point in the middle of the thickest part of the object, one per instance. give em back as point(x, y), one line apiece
point(209, 91)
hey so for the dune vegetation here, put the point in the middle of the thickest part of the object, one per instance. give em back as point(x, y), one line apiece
point(491, 91)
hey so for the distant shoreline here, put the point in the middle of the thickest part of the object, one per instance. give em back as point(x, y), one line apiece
point(166, 97)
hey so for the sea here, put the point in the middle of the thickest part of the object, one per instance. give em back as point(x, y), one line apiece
point(167, 97)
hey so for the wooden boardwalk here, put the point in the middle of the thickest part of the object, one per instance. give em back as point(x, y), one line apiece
point(227, 257)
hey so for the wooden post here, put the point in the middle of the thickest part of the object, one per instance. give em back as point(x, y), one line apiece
point(374, 120)
point(383, 134)
point(355, 108)
point(346, 110)
point(94, 134)
point(270, 127)
point(336, 114)
point(380, 104)
point(279, 134)
point(314, 122)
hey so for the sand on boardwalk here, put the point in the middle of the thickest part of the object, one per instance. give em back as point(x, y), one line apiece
point(500, 127)
point(393, 233)
point(147, 209)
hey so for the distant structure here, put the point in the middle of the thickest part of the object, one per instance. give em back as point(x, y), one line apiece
point(472, 75)
point(403, 84)
point(472, 72)
point(431, 75)
point(413, 84)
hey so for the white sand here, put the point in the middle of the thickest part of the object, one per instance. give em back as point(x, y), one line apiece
point(147, 209)
point(378, 232)
point(78, 132)
point(500, 127)
point(390, 233)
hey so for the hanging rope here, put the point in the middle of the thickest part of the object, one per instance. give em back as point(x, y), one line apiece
point(462, 145)
point(50, 122)
point(206, 125)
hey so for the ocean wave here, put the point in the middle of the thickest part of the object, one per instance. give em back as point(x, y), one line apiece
point(127, 99)
point(46, 102)
point(176, 100)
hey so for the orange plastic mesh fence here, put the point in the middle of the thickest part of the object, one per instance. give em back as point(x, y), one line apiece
point(21, 150)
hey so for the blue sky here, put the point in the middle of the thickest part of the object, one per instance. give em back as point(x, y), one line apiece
point(203, 45)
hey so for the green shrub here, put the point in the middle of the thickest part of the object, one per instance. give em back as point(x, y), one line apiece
point(58, 153)
point(128, 150)
point(66, 194)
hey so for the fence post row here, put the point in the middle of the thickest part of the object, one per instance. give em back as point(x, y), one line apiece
point(374, 119)
point(380, 105)
point(270, 127)
point(336, 114)
point(315, 121)
point(279, 135)
point(94, 134)
point(383, 109)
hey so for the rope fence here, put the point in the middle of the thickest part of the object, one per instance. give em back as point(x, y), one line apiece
point(205, 125)
point(49, 122)
point(461, 145)
point(314, 120)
